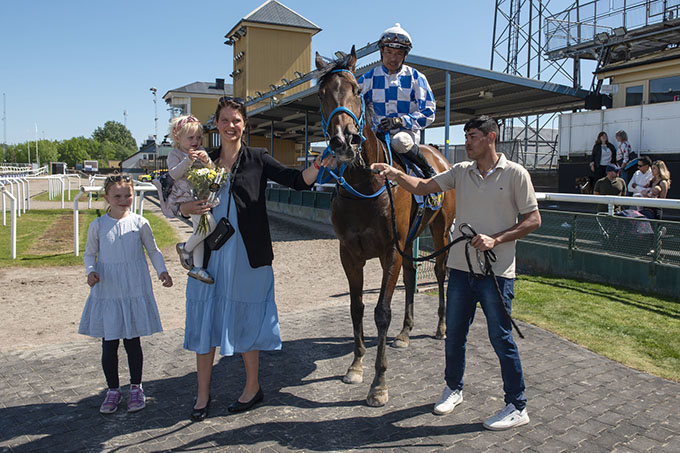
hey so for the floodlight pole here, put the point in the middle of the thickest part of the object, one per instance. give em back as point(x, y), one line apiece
point(155, 119)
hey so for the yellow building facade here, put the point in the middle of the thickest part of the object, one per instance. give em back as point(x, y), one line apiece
point(648, 80)
point(271, 46)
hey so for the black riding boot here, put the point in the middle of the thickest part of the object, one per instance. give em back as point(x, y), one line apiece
point(415, 156)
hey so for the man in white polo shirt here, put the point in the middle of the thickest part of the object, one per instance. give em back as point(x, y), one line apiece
point(491, 192)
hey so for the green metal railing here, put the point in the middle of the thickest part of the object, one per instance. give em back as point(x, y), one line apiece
point(308, 198)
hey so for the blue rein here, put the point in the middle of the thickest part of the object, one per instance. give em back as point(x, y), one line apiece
point(325, 123)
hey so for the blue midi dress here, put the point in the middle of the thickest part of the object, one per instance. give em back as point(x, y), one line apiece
point(238, 312)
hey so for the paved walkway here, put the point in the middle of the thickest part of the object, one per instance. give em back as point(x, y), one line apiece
point(49, 396)
point(577, 400)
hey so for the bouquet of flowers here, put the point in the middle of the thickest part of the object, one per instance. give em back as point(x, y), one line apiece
point(205, 183)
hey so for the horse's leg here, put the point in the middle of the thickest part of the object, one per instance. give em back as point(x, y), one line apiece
point(440, 238)
point(354, 270)
point(402, 340)
point(377, 395)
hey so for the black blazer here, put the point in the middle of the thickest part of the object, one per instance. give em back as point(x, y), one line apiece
point(597, 153)
point(256, 166)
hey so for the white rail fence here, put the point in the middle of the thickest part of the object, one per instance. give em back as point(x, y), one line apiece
point(610, 200)
point(140, 190)
point(16, 191)
point(13, 218)
point(21, 170)
point(15, 194)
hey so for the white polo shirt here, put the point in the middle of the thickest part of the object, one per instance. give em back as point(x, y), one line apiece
point(490, 205)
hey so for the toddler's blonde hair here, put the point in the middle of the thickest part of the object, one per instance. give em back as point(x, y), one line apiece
point(182, 125)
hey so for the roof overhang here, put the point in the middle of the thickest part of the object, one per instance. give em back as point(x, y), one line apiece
point(474, 92)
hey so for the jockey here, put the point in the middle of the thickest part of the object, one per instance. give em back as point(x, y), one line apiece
point(399, 97)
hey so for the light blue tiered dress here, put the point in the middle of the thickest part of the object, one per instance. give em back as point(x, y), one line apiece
point(238, 312)
point(122, 304)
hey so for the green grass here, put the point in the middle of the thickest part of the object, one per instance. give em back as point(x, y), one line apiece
point(44, 196)
point(45, 237)
point(632, 328)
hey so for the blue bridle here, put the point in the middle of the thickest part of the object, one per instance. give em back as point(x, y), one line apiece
point(325, 123)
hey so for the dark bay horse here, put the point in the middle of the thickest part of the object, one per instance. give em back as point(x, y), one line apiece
point(363, 225)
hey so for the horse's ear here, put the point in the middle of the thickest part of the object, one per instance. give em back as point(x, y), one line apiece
point(352, 61)
point(320, 64)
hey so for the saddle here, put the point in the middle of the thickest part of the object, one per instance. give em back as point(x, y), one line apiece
point(431, 201)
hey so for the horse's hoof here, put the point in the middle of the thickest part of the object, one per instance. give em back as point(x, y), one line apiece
point(353, 377)
point(377, 397)
point(400, 343)
point(441, 333)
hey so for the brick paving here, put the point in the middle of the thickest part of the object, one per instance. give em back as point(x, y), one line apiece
point(49, 396)
point(577, 399)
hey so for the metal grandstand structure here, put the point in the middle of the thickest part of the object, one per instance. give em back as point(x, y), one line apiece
point(519, 47)
point(556, 40)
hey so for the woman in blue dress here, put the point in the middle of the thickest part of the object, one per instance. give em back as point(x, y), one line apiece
point(238, 312)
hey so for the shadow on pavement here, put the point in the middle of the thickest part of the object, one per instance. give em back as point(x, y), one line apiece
point(290, 390)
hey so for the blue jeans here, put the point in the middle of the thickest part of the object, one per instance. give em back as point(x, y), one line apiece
point(463, 293)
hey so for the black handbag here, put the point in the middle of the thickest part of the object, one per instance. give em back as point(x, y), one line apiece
point(224, 229)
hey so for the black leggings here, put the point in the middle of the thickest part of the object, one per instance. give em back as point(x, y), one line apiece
point(133, 347)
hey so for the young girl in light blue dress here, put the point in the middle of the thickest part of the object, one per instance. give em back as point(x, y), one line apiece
point(121, 302)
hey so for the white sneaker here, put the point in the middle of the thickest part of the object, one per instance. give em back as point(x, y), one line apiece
point(507, 418)
point(449, 400)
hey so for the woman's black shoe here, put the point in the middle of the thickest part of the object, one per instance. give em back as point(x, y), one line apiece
point(198, 415)
point(238, 406)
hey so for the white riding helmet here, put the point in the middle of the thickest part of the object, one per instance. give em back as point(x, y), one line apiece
point(395, 37)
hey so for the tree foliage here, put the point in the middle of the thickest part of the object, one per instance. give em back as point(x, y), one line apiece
point(116, 133)
point(47, 152)
point(76, 150)
point(113, 141)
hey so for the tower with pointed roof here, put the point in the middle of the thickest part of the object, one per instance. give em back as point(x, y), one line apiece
point(271, 45)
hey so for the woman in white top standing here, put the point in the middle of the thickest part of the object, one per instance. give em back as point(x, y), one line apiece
point(604, 153)
point(623, 154)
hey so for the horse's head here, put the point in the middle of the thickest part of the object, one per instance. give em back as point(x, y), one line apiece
point(341, 105)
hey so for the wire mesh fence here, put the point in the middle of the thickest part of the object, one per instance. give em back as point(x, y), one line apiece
point(650, 240)
point(425, 269)
point(642, 239)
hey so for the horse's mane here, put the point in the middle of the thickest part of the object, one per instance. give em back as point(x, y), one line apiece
point(326, 71)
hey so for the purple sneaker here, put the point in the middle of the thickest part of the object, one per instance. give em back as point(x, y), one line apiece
point(136, 401)
point(111, 402)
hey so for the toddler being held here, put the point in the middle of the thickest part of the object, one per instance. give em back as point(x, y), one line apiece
point(187, 133)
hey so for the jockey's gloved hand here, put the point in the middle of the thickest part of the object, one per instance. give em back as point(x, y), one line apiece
point(387, 124)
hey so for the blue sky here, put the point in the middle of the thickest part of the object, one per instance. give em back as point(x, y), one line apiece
point(69, 66)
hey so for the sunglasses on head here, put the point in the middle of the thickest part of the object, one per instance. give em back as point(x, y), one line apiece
point(226, 99)
point(118, 178)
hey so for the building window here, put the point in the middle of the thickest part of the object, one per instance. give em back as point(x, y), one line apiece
point(634, 95)
point(664, 90)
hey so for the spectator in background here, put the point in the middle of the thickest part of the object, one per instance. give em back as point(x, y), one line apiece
point(603, 154)
point(641, 177)
point(610, 185)
point(623, 153)
point(656, 188)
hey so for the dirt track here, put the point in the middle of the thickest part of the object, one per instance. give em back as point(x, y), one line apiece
point(43, 305)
